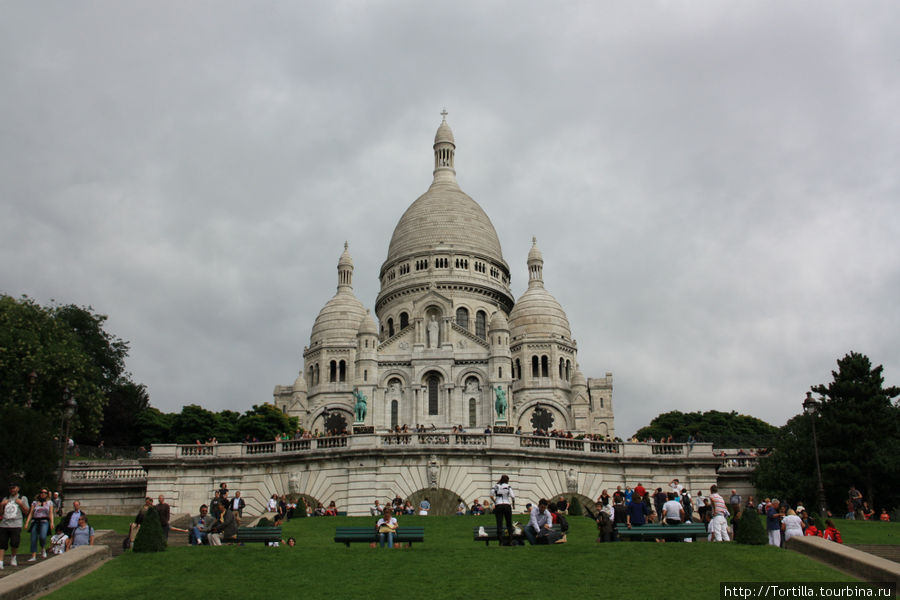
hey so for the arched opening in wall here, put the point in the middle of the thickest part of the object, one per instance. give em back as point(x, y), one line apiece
point(568, 370)
point(365, 374)
point(404, 321)
point(534, 367)
point(545, 366)
point(312, 375)
point(583, 501)
point(473, 412)
point(332, 371)
point(395, 413)
point(462, 317)
point(603, 429)
point(443, 501)
point(390, 328)
point(480, 324)
point(518, 373)
point(433, 383)
point(303, 501)
point(562, 368)
point(343, 370)
point(433, 327)
point(317, 374)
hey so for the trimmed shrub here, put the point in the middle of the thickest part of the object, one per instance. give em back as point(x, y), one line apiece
point(300, 511)
point(575, 509)
point(749, 529)
point(150, 538)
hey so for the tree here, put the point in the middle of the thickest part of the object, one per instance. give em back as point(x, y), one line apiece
point(724, 430)
point(33, 339)
point(264, 422)
point(121, 417)
point(858, 430)
point(150, 537)
point(29, 454)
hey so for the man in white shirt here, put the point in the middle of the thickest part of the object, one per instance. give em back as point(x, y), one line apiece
point(540, 525)
point(672, 510)
point(375, 510)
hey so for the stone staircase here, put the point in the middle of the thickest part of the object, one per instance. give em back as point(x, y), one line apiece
point(890, 552)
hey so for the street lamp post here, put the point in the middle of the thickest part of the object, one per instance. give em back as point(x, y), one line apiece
point(71, 405)
point(811, 408)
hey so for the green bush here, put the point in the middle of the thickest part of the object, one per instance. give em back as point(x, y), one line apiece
point(150, 538)
point(300, 511)
point(575, 509)
point(748, 529)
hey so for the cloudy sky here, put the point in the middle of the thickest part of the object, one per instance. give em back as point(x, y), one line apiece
point(714, 185)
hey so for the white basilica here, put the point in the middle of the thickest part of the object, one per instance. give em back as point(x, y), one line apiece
point(451, 345)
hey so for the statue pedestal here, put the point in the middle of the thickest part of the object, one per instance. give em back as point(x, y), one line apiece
point(500, 423)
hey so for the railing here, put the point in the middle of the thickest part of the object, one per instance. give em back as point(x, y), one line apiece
point(438, 439)
point(740, 462)
point(669, 449)
point(198, 450)
point(90, 474)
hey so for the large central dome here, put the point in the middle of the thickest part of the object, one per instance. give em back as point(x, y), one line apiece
point(444, 216)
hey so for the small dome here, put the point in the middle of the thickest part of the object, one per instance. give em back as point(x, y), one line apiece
point(578, 379)
point(345, 260)
point(444, 133)
point(538, 314)
point(367, 325)
point(499, 322)
point(339, 320)
point(300, 383)
point(535, 252)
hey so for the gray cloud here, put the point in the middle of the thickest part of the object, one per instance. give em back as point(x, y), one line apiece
point(713, 186)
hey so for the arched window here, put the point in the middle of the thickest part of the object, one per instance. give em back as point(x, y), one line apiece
point(390, 328)
point(562, 368)
point(568, 370)
point(404, 321)
point(395, 417)
point(343, 370)
point(317, 374)
point(462, 317)
point(545, 366)
point(518, 373)
point(433, 391)
point(365, 375)
point(473, 412)
point(312, 375)
point(534, 367)
point(480, 322)
point(332, 372)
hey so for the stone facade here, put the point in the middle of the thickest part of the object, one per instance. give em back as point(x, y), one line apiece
point(450, 337)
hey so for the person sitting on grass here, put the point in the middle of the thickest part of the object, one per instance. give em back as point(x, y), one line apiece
point(60, 539)
point(884, 516)
point(831, 532)
point(476, 508)
point(386, 527)
point(332, 510)
point(540, 526)
point(559, 519)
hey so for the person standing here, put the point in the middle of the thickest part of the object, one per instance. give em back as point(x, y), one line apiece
point(718, 524)
point(735, 502)
point(165, 513)
point(793, 525)
point(238, 504)
point(773, 523)
point(504, 502)
point(13, 508)
point(41, 518)
point(70, 521)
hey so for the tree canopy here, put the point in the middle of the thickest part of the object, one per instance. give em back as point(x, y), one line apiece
point(723, 429)
point(858, 432)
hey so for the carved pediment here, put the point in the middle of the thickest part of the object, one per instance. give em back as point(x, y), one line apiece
point(433, 297)
point(396, 343)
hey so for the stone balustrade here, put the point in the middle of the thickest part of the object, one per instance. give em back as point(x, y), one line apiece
point(104, 473)
point(431, 440)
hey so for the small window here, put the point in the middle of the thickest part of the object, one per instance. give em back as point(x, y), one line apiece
point(545, 366)
point(500, 372)
point(343, 371)
point(534, 367)
point(332, 372)
point(433, 391)
point(462, 317)
point(404, 321)
point(390, 328)
point(480, 323)
point(365, 375)
point(473, 412)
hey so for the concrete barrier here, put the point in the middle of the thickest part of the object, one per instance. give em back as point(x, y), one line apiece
point(867, 567)
point(52, 572)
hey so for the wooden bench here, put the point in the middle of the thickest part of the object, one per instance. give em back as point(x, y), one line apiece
point(655, 531)
point(258, 534)
point(403, 535)
point(491, 531)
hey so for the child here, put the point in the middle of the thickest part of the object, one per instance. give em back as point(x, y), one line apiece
point(831, 532)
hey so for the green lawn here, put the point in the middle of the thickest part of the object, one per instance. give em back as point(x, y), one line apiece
point(448, 565)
